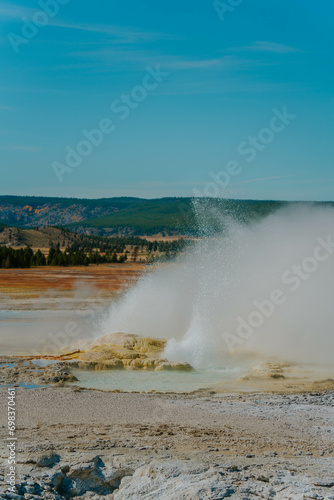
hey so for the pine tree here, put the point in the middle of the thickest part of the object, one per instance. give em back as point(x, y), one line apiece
point(8, 262)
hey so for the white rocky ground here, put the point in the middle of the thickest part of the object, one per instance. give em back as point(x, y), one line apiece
point(92, 444)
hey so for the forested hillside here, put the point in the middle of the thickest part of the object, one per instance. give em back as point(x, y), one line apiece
point(126, 216)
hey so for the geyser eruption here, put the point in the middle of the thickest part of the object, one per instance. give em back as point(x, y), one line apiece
point(265, 287)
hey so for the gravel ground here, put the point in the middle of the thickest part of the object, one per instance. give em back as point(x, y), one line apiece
point(93, 444)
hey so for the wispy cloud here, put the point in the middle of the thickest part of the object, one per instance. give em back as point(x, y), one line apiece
point(115, 57)
point(12, 11)
point(31, 149)
point(198, 64)
point(123, 34)
point(228, 62)
point(261, 179)
point(119, 55)
point(312, 181)
point(272, 47)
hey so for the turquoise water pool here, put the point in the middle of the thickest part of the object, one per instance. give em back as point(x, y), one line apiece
point(160, 381)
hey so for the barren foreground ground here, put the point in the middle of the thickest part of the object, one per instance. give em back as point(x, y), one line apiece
point(91, 444)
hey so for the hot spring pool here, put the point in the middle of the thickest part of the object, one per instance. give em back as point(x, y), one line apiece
point(160, 381)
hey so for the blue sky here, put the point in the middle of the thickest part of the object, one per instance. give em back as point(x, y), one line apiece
point(226, 75)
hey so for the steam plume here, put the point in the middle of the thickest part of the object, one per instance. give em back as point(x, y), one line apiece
point(202, 300)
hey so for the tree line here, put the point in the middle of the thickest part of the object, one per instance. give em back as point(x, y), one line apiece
point(118, 244)
point(26, 257)
point(88, 250)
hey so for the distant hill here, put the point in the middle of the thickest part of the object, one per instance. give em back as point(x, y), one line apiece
point(36, 238)
point(124, 216)
point(31, 211)
point(132, 214)
point(145, 217)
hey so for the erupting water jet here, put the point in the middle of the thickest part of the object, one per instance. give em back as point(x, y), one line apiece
point(212, 301)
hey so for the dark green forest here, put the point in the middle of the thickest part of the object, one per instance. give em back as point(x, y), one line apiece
point(25, 258)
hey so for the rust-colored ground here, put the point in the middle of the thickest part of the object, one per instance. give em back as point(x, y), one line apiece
point(33, 282)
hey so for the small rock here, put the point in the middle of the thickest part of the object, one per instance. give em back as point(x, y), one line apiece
point(325, 484)
point(47, 460)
